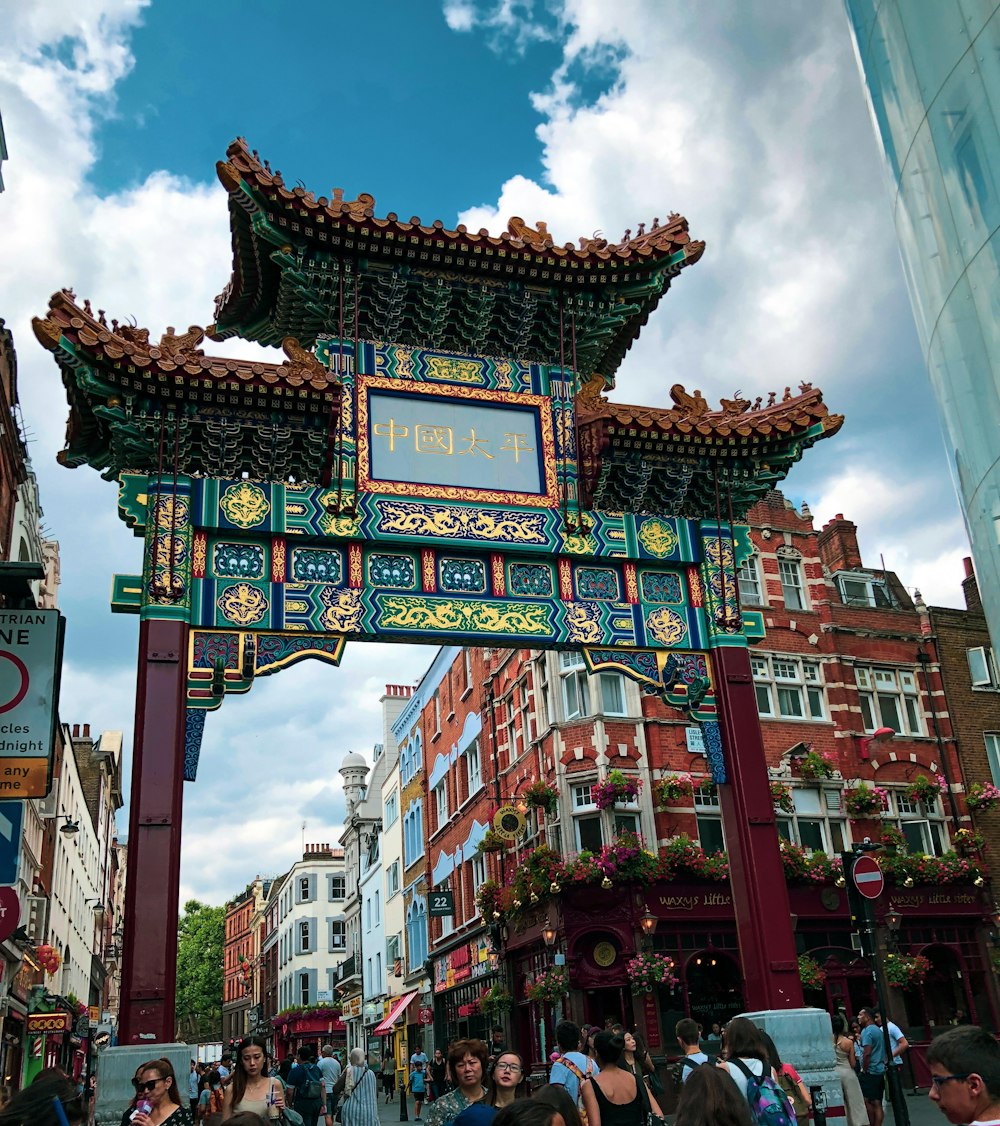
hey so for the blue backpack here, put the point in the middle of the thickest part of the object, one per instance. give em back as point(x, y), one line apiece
point(769, 1105)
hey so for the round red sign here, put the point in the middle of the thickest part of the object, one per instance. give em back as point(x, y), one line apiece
point(426, 1016)
point(867, 876)
point(10, 912)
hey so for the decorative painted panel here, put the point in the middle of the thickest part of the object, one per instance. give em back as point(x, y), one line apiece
point(398, 572)
point(530, 580)
point(238, 561)
point(317, 565)
point(597, 584)
point(661, 586)
point(462, 576)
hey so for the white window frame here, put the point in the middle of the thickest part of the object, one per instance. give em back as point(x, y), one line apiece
point(304, 936)
point(881, 687)
point(304, 987)
point(338, 881)
point(929, 823)
point(781, 680)
point(585, 810)
point(478, 874)
point(605, 680)
point(303, 889)
point(865, 581)
point(749, 584)
point(338, 934)
point(473, 767)
point(392, 881)
point(573, 673)
point(818, 807)
point(991, 740)
point(441, 802)
point(982, 667)
point(391, 810)
point(796, 586)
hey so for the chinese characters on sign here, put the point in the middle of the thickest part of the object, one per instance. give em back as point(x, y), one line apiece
point(437, 441)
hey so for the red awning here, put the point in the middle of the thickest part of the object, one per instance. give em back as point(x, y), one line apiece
point(394, 1014)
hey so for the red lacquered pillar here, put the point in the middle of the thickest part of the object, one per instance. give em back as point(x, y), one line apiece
point(760, 893)
point(152, 886)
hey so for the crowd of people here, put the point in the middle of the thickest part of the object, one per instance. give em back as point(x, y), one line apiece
point(597, 1077)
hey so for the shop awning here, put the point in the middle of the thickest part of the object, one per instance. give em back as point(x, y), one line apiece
point(395, 1013)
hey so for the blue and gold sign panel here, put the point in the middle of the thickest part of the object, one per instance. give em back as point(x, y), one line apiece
point(469, 444)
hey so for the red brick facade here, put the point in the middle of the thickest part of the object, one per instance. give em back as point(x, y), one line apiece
point(846, 652)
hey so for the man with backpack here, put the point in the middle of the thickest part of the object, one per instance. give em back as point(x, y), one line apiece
point(686, 1031)
point(572, 1066)
point(307, 1081)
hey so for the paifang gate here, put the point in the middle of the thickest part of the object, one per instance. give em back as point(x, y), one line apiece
point(435, 461)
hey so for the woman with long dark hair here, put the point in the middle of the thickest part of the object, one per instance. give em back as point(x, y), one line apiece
point(556, 1096)
point(614, 1097)
point(50, 1101)
point(252, 1088)
point(708, 1098)
point(743, 1052)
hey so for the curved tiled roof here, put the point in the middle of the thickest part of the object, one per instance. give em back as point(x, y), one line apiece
point(177, 355)
point(652, 245)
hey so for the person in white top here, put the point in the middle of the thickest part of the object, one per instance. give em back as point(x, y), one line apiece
point(965, 1076)
point(741, 1042)
point(329, 1067)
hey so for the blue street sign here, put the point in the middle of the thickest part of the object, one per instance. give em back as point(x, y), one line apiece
point(11, 820)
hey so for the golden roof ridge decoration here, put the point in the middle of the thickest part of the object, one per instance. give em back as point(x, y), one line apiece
point(692, 413)
point(648, 244)
point(175, 352)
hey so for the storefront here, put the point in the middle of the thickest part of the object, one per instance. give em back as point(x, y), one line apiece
point(316, 1028)
point(461, 977)
point(695, 926)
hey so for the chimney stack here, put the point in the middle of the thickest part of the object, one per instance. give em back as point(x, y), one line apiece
point(970, 588)
point(838, 545)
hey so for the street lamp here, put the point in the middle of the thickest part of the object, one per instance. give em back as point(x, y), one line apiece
point(71, 828)
point(648, 922)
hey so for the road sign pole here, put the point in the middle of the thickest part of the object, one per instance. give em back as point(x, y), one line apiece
point(863, 916)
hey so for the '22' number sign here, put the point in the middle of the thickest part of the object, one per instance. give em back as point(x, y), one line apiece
point(441, 903)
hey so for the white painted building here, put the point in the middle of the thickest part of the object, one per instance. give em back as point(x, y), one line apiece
point(373, 942)
point(311, 930)
point(393, 913)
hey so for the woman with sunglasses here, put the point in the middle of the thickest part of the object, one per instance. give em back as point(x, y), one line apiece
point(158, 1099)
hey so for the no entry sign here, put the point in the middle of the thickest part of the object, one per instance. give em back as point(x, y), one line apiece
point(867, 876)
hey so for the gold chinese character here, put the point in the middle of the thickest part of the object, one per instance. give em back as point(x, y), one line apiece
point(517, 444)
point(391, 431)
point(433, 440)
point(474, 444)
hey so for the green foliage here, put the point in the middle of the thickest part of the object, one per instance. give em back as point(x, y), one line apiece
point(201, 934)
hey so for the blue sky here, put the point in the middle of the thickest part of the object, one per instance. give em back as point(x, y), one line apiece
point(746, 117)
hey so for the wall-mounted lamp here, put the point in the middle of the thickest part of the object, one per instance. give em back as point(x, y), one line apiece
point(648, 922)
point(893, 919)
point(549, 934)
point(71, 828)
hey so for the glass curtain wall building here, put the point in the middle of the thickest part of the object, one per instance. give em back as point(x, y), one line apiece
point(932, 72)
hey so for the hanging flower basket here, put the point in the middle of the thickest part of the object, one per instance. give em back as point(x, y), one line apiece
point(673, 788)
point(781, 797)
point(863, 800)
point(489, 900)
point(902, 970)
point(540, 795)
point(892, 839)
point(982, 796)
point(816, 764)
point(496, 1000)
point(648, 971)
point(968, 843)
point(492, 842)
point(550, 986)
point(617, 789)
point(926, 790)
point(811, 973)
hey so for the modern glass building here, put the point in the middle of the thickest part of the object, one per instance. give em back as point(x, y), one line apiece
point(932, 71)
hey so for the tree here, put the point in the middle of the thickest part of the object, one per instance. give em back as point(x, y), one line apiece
point(201, 935)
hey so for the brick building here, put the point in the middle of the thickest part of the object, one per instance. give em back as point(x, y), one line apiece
point(851, 698)
point(240, 955)
point(960, 640)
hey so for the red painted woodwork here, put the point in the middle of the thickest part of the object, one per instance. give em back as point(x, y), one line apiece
point(760, 893)
point(152, 886)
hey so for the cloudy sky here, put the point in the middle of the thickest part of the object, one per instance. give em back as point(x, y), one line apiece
point(747, 117)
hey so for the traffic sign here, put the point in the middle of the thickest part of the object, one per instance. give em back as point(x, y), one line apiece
point(10, 912)
point(867, 876)
point(11, 819)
